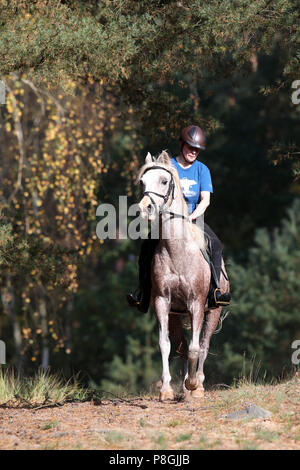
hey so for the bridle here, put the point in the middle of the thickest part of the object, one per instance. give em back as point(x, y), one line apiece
point(165, 197)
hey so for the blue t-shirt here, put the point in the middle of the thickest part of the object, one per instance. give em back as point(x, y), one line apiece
point(193, 180)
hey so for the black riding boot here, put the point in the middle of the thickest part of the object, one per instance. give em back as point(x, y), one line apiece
point(141, 297)
point(215, 297)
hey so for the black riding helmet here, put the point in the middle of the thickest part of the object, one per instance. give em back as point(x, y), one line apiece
point(193, 136)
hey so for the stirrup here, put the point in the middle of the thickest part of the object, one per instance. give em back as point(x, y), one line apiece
point(134, 299)
point(137, 300)
point(131, 300)
point(221, 300)
point(217, 299)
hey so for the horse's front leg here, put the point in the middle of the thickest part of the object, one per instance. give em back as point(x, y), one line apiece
point(162, 309)
point(197, 314)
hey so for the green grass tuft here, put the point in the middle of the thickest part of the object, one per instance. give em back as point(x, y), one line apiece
point(42, 388)
point(184, 437)
point(49, 425)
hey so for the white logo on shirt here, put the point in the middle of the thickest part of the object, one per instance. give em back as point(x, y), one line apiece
point(185, 184)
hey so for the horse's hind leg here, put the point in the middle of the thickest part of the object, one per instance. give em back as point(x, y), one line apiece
point(210, 324)
point(162, 309)
point(181, 347)
point(177, 336)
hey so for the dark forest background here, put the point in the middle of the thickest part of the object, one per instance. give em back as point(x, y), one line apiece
point(91, 87)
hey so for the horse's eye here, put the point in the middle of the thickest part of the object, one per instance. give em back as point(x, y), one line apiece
point(164, 182)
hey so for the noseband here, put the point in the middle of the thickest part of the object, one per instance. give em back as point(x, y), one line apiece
point(166, 196)
point(170, 188)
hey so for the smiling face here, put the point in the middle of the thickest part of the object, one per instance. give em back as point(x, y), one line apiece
point(156, 182)
point(190, 153)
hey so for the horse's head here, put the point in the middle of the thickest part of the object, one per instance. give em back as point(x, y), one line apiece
point(156, 179)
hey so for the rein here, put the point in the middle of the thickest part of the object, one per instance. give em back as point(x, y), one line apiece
point(166, 196)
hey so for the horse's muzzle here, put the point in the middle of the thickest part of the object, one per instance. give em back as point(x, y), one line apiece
point(148, 210)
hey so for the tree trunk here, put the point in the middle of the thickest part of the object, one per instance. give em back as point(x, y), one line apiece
point(44, 326)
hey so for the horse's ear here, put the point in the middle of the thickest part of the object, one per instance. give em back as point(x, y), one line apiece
point(164, 158)
point(149, 158)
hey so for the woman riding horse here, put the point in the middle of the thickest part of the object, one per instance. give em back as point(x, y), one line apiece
point(196, 185)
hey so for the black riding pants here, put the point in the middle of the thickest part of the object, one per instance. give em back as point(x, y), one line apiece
point(215, 248)
point(147, 250)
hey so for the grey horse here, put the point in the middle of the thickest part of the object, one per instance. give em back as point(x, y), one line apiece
point(180, 275)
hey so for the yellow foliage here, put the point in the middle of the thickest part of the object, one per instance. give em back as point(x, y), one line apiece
point(57, 194)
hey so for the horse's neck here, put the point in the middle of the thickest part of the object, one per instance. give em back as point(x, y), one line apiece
point(178, 204)
point(174, 227)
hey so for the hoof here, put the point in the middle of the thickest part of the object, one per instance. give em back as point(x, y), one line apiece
point(198, 393)
point(187, 395)
point(189, 385)
point(166, 395)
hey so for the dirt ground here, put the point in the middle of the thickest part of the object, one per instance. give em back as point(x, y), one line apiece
point(145, 423)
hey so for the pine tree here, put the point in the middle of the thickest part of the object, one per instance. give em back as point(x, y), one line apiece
point(264, 319)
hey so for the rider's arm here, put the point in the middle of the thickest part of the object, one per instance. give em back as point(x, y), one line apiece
point(202, 206)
